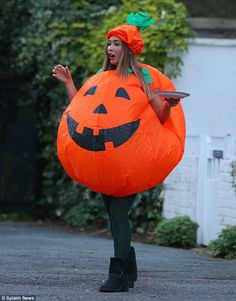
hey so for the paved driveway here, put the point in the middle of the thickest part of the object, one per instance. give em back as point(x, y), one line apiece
point(56, 264)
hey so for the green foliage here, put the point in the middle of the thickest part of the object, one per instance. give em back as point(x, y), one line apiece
point(89, 211)
point(54, 35)
point(146, 210)
point(163, 41)
point(78, 215)
point(13, 17)
point(176, 232)
point(210, 8)
point(39, 34)
point(14, 217)
point(225, 245)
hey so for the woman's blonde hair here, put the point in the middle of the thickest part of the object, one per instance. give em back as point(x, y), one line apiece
point(127, 60)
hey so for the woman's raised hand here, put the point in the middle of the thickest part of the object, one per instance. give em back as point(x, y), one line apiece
point(62, 74)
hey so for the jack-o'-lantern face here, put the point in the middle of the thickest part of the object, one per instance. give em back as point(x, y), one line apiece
point(116, 135)
point(111, 140)
point(105, 115)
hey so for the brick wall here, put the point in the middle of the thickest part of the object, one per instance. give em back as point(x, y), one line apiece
point(180, 190)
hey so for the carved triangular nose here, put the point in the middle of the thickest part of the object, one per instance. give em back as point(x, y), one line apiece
point(100, 109)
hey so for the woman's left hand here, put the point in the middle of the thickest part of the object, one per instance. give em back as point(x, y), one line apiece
point(172, 102)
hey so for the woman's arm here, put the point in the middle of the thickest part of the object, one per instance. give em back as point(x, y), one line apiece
point(161, 109)
point(70, 89)
point(63, 75)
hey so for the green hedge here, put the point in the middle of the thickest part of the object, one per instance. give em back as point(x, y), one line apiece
point(211, 8)
point(72, 32)
point(179, 231)
point(164, 41)
point(225, 245)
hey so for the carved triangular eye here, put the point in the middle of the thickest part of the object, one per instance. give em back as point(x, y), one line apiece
point(91, 91)
point(121, 92)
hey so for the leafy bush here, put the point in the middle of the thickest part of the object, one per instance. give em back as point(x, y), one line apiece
point(51, 35)
point(41, 34)
point(78, 215)
point(225, 245)
point(211, 8)
point(164, 41)
point(84, 30)
point(145, 213)
point(89, 210)
point(176, 232)
point(14, 217)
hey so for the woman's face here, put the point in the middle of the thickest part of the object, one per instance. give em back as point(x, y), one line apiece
point(114, 48)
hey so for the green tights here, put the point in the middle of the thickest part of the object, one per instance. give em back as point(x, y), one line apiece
point(118, 209)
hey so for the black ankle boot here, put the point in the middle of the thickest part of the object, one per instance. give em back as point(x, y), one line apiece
point(117, 279)
point(132, 267)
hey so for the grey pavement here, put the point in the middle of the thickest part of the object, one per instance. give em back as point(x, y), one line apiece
point(58, 264)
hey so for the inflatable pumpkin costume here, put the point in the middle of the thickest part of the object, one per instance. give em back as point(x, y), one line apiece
point(109, 137)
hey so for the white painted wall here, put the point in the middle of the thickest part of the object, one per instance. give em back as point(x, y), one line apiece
point(209, 74)
point(201, 185)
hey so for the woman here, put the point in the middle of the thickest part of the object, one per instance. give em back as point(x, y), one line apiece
point(124, 43)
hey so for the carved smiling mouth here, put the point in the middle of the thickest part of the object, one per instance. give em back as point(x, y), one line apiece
point(87, 140)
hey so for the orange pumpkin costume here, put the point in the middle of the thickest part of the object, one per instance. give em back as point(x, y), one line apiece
point(111, 140)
